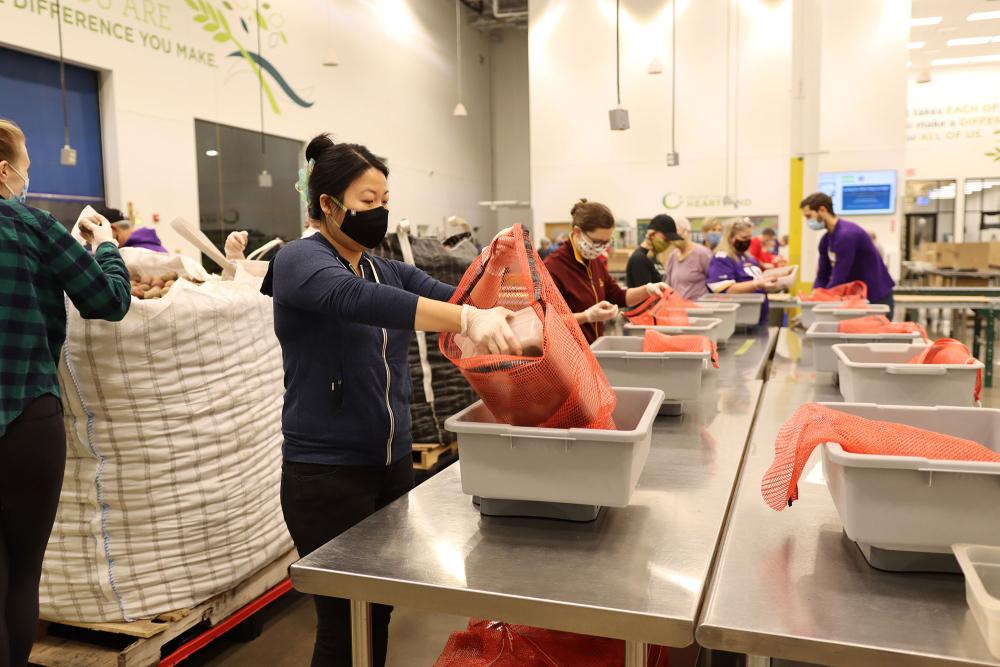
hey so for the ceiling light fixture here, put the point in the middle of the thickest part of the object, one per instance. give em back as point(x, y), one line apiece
point(968, 60)
point(926, 20)
point(655, 66)
point(983, 16)
point(211, 152)
point(916, 45)
point(67, 156)
point(968, 41)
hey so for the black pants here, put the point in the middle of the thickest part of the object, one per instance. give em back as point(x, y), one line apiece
point(32, 461)
point(887, 301)
point(320, 502)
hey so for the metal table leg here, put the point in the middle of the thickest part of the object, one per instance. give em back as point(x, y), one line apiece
point(635, 654)
point(977, 331)
point(991, 316)
point(361, 633)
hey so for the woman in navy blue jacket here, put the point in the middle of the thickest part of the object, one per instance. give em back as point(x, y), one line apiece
point(344, 319)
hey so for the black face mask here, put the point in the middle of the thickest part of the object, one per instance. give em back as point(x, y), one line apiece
point(741, 246)
point(366, 228)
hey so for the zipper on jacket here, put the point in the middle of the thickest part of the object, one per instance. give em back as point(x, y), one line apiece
point(388, 380)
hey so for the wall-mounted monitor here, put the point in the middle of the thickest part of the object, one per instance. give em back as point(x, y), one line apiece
point(860, 192)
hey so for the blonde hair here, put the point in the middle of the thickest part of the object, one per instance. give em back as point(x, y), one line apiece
point(709, 223)
point(11, 140)
point(730, 230)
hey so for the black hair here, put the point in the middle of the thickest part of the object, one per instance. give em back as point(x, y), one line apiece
point(337, 166)
point(767, 231)
point(111, 214)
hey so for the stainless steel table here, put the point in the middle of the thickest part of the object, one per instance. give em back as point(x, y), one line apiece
point(790, 585)
point(636, 573)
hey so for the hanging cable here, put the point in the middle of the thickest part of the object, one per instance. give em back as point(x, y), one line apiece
point(673, 76)
point(458, 43)
point(736, 117)
point(729, 58)
point(260, 78)
point(62, 76)
point(618, 52)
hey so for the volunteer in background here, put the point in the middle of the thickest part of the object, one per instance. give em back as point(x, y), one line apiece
point(733, 262)
point(644, 264)
point(236, 242)
point(128, 236)
point(711, 232)
point(344, 320)
point(544, 247)
point(687, 264)
point(590, 291)
point(39, 261)
point(762, 249)
point(846, 252)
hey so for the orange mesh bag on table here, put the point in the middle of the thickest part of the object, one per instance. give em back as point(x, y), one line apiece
point(856, 289)
point(950, 351)
point(496, 644)
point(654, 341)
point(564, 387)
point(814, 424)
point(668, 309)
point(879, 324)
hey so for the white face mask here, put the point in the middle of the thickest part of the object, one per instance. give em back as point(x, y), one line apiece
point(589, 249)
point(815, 224)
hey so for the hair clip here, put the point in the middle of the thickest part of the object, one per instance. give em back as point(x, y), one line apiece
point(302, 185)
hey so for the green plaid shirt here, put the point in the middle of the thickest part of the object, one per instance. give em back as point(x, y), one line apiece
point(39, 260)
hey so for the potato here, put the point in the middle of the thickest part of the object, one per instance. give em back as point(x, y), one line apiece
point(153, 293)
point(167, 284)
point(146, 280)
point(144, 286)
point(136, 292)
point(171, 276)
point(158, 283)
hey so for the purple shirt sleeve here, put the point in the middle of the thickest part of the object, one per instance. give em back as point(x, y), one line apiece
point(823, 270)
point(722, 268)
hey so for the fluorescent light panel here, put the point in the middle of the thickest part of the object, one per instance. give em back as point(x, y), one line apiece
point(916, 45)
point(969, 60)
point(970, 41)
point(927, 20)
point(983, 16)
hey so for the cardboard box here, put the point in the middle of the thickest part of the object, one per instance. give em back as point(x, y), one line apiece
point(964, 256)
point(926, 252)
point(995, 253)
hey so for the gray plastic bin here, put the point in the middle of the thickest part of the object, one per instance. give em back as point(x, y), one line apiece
point(807, 318)
point(700, 326)
point(981, 567)
point(902, 503)
point(834, 312)
point(748, 314)
point(824, 335)
point(577, 465)
point(676, 374)
point(725, 312)
point(878, 373)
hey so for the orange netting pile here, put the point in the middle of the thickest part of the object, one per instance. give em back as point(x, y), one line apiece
point(950, 351)
point(857, 289)
point(562, 388)
point(668, 310)
point(655, 341)
point(814, 424)
point(496, 644)
point(852, 302)
point(879, 324)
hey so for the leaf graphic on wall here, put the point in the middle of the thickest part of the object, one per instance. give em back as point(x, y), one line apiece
point(995, 153)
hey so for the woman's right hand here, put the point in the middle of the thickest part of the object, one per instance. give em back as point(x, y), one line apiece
point(489, 327)
point(236, 245)
point(95, 230)
point(602, 311)
point(766, 283)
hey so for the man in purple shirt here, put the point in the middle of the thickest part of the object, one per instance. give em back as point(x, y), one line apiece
point(846, 252)
point(132, 237)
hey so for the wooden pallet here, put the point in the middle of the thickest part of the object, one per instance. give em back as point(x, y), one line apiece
point(144, 640)
point(426, 456)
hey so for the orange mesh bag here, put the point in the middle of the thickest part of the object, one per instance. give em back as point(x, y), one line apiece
point(814, 424)
point(853, 302)
point(950, 351)
point(496, 644)
point(562, 388)
point(654, 341)
point(668, 309)
point(879, 324)
point(857, 289)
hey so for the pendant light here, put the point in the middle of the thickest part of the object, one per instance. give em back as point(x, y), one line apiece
point(264, 179)
point(618, 116)
point(673, 157)
point(330, 59)
point(460, 110)
point(67, 156)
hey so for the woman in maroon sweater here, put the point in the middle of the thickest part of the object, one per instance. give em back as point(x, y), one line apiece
point(590, 291)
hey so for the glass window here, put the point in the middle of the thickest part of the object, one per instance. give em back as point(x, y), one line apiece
point(982, 205)
point(246, 181)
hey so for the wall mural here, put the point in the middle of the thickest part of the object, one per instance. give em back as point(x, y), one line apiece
point(213, 20)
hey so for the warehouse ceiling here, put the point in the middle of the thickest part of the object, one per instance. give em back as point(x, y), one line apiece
point(933, 42)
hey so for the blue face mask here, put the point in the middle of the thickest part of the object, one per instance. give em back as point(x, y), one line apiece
point(21, 198)
point(815, 224)
point(714, 238)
